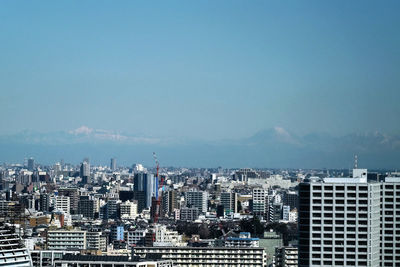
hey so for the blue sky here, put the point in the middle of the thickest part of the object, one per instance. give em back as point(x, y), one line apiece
point(200, 69)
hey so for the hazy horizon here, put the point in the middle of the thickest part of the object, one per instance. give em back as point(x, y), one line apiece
point(207, 72)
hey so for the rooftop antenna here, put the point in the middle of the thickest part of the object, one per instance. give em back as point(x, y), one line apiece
point(355, 162)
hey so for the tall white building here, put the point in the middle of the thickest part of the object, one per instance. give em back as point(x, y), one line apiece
point(339, 222)
point(63, 203)
point(260, 202)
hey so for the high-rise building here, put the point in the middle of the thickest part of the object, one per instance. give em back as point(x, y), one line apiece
point(31, 164)
point(85, 172)
point(113, 164)
point(260, 202)
point(390, 222)
point(229, 202)
point(44, 202)
point(339, 222)
point(145, 182)
point(170, 201)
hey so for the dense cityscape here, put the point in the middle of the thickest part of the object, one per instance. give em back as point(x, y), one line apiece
point(85, 215)
point(201, 133)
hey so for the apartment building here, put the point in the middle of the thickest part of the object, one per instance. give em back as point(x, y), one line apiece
point(66, 239)
point(206, 256)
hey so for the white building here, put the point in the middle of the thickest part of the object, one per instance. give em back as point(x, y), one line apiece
point(339, 222)
point(63, 203)
point(64, 239)
point(207, 256)
point(166, 237)
point(96, 240)
point(129, 210)
point(136, 237)
point(260, 202)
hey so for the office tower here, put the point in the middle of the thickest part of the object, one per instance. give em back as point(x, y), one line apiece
point(339, 222)
point(12, 250)
point(229, 201)
point(197, 199)
point(73, 194)
point(390, 222)
point(31, 164)
point(62, 203)
point(170, 201)
point(260, 202)
point(85, 172)
point(113, 164)
point(144, 182)
point(86, 207)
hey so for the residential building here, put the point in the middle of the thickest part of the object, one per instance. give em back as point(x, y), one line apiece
point(62, 203)
point(206, 256)
point(244, 240)
point(188, 214)
point(229, 200)
point(129, 210)
point(197, 199)
point(66, 239)
point(285, 257)
point(108, 261)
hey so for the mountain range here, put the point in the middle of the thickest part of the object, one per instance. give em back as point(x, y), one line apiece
point(270, 148)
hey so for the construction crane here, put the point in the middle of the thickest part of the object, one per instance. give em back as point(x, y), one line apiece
point(158, 187)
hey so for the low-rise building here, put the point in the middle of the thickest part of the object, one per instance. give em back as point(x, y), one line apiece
point(206, 256)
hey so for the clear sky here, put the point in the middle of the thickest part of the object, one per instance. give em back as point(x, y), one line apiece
point(200, 69)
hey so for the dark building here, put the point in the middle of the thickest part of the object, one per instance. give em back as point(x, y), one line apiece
point(126, 195)
point(291, 199)
point(86, 207)
point(73, 194)
point(44, 203)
